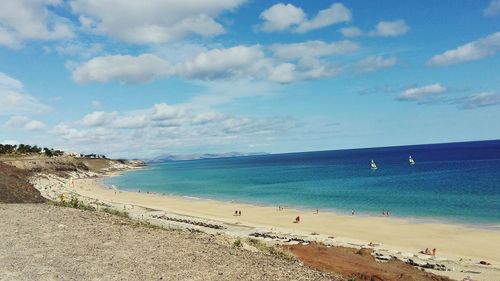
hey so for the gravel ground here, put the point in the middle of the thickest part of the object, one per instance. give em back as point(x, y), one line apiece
point(45, 242)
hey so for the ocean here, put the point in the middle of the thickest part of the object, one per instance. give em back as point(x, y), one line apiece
point(453, 182)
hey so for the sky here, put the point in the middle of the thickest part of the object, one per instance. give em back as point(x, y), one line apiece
point(138, 79)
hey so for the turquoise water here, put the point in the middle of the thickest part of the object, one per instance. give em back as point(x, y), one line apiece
point(457, 182)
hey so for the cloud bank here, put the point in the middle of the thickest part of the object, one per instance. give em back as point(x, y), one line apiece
point(475, 50)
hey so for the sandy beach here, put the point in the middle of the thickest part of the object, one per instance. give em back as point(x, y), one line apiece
point(461, 247)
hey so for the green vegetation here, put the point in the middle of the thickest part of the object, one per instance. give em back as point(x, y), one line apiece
point(116, 212)
point(26, 149)
point(261, 246)
point(237, 243)
point(72, 203)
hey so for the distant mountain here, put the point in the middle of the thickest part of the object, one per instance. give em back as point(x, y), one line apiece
point(173, 157)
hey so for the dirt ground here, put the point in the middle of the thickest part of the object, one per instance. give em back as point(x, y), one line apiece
point(15, 188)
point(46, 242)
point(359, 264)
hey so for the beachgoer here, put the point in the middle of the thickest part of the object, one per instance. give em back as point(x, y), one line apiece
point(239, 213)
point(297, 219)
point(434, 251)
point(236, 212)
point(387, 212)
point(427, 251)
point(352, 212)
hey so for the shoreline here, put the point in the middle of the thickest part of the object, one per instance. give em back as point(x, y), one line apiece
point(339, 212)
point(460, 246)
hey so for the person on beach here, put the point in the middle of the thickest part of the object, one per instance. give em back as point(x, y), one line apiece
point(317, 211)
point(352, 212)
point(297, 219)
point(239, 213)
point(236, 212)
point(434, 252)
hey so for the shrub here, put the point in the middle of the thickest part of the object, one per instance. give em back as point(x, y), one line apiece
point(237, 243)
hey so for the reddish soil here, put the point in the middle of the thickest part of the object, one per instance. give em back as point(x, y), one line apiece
point(358, 264)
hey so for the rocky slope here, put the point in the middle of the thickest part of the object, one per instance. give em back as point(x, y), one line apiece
point(15, 172)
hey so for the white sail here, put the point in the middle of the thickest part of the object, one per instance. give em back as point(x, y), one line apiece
point(373, 165)
point(411, 161)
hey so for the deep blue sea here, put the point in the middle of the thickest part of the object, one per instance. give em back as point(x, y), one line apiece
point(454, 182)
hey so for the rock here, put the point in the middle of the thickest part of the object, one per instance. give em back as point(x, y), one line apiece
point(383, 258)
point(364, 252)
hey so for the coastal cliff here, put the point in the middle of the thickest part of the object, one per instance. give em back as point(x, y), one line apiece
point(16, 171)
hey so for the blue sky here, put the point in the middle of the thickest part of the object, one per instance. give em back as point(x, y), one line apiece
point(138, 79)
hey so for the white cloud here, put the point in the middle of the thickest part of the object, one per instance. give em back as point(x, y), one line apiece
point(99, 118)
point(390, 28)
point(374, 63)
point(493, 9)
point(481, 100)
point(164, 111)
point(283, 73)
point(9, 83)
point(123, 68)
point(239, 61)
point(24, 123)
point(14, 101)
point(281, 17)
point(134, 121)
point(23, 20)
point(336, 13)
point(312, 49)
point(312, 68)
point(166, 126)
point(475, 50)
point(422, 94)
point(351, 32)
point(234, 63)
point(152, 22)
point(34, 125)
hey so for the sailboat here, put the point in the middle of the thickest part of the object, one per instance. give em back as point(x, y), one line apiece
point(373, 166)
point(411, 161)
